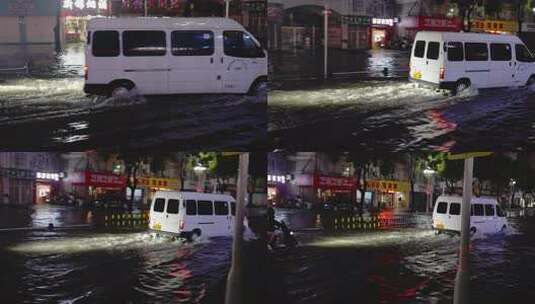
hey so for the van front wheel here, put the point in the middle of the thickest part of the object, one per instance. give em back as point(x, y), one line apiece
point(531, 80)
point(257, 87)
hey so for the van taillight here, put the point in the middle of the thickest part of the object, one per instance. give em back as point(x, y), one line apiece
point(85, 72)
point(441, 76)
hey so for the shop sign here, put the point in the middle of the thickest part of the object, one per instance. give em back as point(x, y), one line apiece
point(334, 182)
point(105, 180)
point(282, 179)
point(494, 26)
point(275, 12)
point(48, 176)
point(528, 26)
point(17, 173)
point(254, 6)
point(383, 21)
point(439, 24)
point(158, 182)
point(387, 186)
point(357, 20)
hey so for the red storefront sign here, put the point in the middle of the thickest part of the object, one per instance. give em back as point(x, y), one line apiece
point(424, 23)
point(335, 183)
point(98, 179)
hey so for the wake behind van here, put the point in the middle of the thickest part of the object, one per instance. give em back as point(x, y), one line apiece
point(486, 215)
point(191, 214)
point(456, 61)
point(162, 55)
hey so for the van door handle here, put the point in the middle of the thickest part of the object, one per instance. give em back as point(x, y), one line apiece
point(167, 216)
point(212, 60)
point(427, 62)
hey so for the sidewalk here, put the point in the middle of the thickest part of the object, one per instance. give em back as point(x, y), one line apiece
point(308, 64)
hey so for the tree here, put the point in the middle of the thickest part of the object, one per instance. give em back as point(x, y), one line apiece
point(493, 8)
point(362, 162)
point(466, 8)
point(132, 163)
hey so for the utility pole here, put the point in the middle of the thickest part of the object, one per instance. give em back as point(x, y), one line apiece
point(235, 277)
point(145, 8)
point(325, 39)
point(227, 8)
point(462, 280)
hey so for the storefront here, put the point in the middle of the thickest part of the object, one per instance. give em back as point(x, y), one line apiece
point(89, 185)
point(335, 188)
point(410, 25)
point(389, 194)
point(357, 32)
point(76, 14)
point(494, 26)
point(46, 186)
point(149, 185)
point(277, 189)
point(17, 186)
point(382, 32)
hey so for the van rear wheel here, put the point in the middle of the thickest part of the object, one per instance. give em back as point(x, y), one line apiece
point(120, 88)
point(460, 86)
point(195, 235)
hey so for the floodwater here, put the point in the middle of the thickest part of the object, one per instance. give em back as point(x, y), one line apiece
point(397, 116)
point(411, 265)
point(92, 266)
point(47, 109)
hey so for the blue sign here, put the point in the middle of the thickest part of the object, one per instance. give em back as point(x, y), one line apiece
point(30, 7)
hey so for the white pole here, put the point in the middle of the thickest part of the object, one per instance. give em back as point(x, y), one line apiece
point(227, 8)
point(145, 8)
point(234, 280)
point(462, 280)
point(325, 39)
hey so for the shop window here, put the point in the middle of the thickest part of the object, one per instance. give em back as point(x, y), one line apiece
point(489, 210)
point(172, 206)
point(522, 53)
point(455, 208)
point(144, 43)
point(105, 44)
point(500, 52)
point(191, 207)
point(433, 49)
point(159, 205)
point(192, 43)
point(221, 208)
point(205, 208)
point(455, 51)
point(240, 44)
point(442, 207)
point(419, 49)
point(476, 51)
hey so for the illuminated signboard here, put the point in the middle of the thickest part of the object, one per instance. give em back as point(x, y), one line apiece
point(47, 176)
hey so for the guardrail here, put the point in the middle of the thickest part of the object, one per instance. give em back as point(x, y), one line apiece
point(354, 222)
point(123, 220)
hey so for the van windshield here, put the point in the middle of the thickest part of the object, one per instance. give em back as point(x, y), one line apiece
point(523, 54)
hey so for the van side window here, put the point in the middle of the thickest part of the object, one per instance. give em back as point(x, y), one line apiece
point(205, 208)
point(476, 51)
point(419, 49)
point(221, 208)
point(522, 53)
point(159, 205)
point(233, 208)
point(442, 207)
point(240, 44)
point(105, 44)
point(478, 209)
point(433, 49)
point(489, 210)
point(500, 52)
point(144, 43)
point(172, 206)
point(455, 51)
point(192, 43)
point(455, 208)
point(191, 207)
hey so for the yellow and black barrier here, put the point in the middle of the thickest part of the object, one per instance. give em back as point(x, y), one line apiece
point(354, 223)
point(124, 220)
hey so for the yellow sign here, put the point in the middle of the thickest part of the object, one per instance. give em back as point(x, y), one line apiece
point(417, 75)
point(158, 182)
point(157, 226)
point(468, 155)
point(494, 26)
point(387, 186)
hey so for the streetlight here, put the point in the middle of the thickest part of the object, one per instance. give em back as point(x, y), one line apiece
point(200, 169)
point(512, 184)
point(430, 174)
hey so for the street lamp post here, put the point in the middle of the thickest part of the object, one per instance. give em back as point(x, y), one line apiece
point(325, 39)
point(200, 169)
point(512, 183)
point(227, 8)
point(430, 174)
point(145, 8)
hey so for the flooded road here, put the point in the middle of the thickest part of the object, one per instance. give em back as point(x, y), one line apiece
point(411, 265)
point(93, 266)
point(47, 109)
point(397, 115)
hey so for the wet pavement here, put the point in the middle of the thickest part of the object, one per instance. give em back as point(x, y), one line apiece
point(411, 265)
point(47, 109)
point(399, 116)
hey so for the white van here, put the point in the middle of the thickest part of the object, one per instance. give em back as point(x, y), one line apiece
point(456, 61)
point(172, 56)
point(191, 214)
point(486, 215)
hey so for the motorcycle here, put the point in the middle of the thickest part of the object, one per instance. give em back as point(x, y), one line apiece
point(283, 238)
